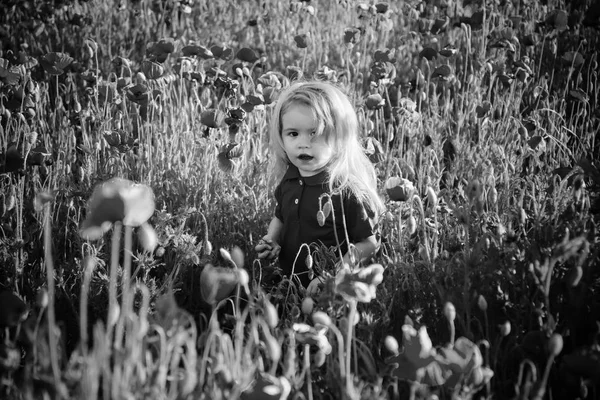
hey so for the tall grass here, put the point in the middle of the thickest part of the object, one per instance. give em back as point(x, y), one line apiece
point(491, 117)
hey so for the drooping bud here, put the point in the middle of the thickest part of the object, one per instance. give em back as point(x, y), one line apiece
point(449, 311)
point(308, 304)
point(482, 303)
point(391, 344)
point(555, 345)
point(322, 318)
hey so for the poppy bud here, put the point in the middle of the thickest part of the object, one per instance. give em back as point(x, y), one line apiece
point(321, 318)
point(309, 261)
point(237, 256)
point(271, 316)
point(450, 311)
point(482, 303)
point(319, 358)
point(432, 197)
point(574, 276)
point(411, 225)
point(523, 216)
point(327, 209)
point(160, 251)
point(321, 218)
point(113, 314)
point(505, 328)
point(42, 298)
point(391, 344)
point(208, 247)
point(555, 344)
point(147, 237)
point(308, 305)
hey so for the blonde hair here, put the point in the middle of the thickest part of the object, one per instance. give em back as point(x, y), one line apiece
point(350, 170)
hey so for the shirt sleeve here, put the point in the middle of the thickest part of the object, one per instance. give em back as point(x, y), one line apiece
point(278, 198)
point(359, 221)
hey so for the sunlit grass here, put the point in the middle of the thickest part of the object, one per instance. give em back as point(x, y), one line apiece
point(482, 127)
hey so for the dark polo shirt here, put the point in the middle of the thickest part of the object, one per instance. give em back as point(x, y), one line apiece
point(297, 207)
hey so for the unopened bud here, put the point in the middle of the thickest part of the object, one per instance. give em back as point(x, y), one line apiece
point(505, 328)
point(555, 345)
point(147, 237)
point(42, 298)
point(450, 311)
point(482, 303)
point(271, 316)
point(308, 304)
point(391, 344)
point(322, 318)
point(432, 197)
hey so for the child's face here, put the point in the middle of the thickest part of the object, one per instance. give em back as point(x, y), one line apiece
point(309, 152)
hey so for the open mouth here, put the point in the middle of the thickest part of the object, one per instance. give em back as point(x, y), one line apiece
point(305, 157)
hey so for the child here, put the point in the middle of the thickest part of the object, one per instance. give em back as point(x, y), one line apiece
point(315, 140)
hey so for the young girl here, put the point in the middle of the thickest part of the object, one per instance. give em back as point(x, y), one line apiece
point(315, 140)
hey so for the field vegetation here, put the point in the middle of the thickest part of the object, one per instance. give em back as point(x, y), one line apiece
point(135, 182)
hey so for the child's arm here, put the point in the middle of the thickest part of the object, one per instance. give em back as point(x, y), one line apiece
point(268, 246)
point(363, 250)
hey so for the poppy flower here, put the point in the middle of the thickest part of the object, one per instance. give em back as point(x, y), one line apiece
point(139, 94)
point(117, 200)
point(267, 387)
point(217, 283)
point(212, 118)
point(399, 189)
point(55, 63)
point(360, 285)
point(443, 72)
point(13, 310)
point(301, 41)
point(316, 336)
point(222, 52)
point(197, 51)
point(295, 73)
point(152, 70)
point(429, 53)
point(246, 54)
point(7, 76)
point(375, 101)
point(352, 35)
point(159, 51)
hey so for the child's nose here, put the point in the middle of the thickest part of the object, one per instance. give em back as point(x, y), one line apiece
point(305, 141)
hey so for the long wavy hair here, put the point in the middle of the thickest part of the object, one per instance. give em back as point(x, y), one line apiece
point(350, 170)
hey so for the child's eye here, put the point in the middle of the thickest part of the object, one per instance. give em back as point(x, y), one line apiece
point(292, 133)
point(313, 133)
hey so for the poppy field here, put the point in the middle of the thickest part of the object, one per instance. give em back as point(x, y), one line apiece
point(135, 183)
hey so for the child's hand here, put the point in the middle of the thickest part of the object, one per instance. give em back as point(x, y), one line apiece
point(267, 248)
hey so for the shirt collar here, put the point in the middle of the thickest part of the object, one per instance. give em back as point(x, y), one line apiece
point(293, 173)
